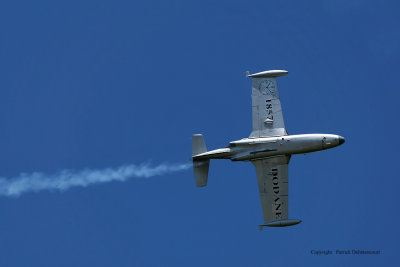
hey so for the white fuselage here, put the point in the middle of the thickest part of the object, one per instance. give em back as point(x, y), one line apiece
point(258, 148)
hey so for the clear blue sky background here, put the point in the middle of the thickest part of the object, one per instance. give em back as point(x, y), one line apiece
point(102, 83)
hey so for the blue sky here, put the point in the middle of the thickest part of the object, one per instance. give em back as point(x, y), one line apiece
point(96, 84)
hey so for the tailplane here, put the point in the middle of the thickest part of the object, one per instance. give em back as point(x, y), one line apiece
point(198, 144)
point(200, 167)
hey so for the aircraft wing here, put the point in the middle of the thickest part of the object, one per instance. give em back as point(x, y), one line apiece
point(266, 105)
point(272, 176)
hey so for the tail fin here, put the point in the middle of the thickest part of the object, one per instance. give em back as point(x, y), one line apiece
point(200, 167)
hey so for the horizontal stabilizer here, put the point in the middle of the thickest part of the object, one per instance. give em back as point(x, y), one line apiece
point(200, 168)
point(198, 144)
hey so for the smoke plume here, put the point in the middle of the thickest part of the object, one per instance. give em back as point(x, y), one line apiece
point(65, 179)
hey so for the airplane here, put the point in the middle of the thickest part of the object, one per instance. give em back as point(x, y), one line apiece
point(268, 148)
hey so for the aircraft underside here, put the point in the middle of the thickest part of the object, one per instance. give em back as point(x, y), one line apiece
point(268, 148)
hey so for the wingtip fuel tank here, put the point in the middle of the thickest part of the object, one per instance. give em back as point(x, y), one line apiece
point(268, 73)
point(280, 223)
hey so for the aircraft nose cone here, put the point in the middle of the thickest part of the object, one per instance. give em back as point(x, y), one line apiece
point(341, 140)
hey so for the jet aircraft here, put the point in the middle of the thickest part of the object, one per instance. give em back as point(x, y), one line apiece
point(268, 148)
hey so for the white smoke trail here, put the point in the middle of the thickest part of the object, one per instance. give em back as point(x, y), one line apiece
point(66, 179)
